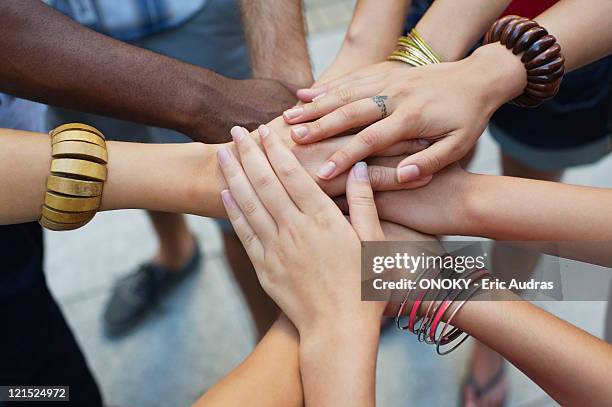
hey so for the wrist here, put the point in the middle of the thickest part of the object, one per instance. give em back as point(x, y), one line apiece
point(499, 75)
point(477, 204)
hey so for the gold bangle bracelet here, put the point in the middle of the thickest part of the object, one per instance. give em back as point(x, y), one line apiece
point(74, 187)
point(414, 50)
point(79, 168)
point(76, 180)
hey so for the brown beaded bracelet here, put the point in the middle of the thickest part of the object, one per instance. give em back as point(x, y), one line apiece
point(542, 57)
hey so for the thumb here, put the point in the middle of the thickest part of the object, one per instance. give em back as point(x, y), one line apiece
point(431, 160)
point(362, 209)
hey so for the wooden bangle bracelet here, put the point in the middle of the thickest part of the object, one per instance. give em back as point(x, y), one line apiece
point(76, 181)
point(80, 150)
point(66, 217)
point(56, 226)
point(79, 168)
point(71, 203)
point(541, 55)
point(76, 126)
point(78, 135)
point(74, 187)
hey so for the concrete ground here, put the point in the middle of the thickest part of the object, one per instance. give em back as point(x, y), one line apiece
point(203, 329)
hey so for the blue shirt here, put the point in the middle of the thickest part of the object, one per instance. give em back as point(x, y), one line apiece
point(129, 20)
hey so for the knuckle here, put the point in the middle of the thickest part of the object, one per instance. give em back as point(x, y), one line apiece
point(313, 108)
point(363, 200)
point(249, 239)
point(315, 127)
point(263, 181)
point(432, 163)
point(369, 138)
point(378, 176)
point(344, 95)
point(341, 157)
point(347, 112)
point(249, 207)
point(288, 171)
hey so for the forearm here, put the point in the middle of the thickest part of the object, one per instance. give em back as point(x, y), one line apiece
point(583, 30)
point(338, 364)
point(276, 38)
point(452, 27)
point(544, 347)
point(52, 59)
point(522, 332)
point(180, 178)
point(370, 37)
point(537, 210)
point(269, 376)
point(374, 29)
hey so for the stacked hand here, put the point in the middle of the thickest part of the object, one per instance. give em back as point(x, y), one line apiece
point(312, 156)
point(307, 255)
point(444, 107)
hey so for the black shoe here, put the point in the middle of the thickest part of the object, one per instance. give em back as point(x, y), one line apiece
point(139, 292)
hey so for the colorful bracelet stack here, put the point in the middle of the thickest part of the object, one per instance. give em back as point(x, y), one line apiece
point(439, 303)
point(413, 50)
point(541, 54)
point(78, 172)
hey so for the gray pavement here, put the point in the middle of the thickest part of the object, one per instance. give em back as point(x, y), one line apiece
point(203, 329)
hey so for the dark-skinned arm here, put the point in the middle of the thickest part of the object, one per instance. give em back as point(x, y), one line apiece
point(49, 58)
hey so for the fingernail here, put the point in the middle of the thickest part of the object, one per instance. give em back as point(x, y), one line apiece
point(228, 199)
point(360, 170)
point(238, 133)
point(408, 173)
point(264, 131)
point(223, 156)
point(300, 132)
point(319, 97)
point(424, 143)
point(293, 113)
point(327, 169)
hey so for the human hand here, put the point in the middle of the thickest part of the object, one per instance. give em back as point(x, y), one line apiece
point(312, 156)
point(444, 207)
point(306, 254)
point(447, 105)
point(246, 102)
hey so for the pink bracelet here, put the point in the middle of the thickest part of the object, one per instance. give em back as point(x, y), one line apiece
point(451, 298)
point(455, 333)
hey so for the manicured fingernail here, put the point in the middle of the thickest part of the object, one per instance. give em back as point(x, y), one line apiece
point(238, 133)
point(228, 199)
point(360, 170)
point(300, 132)
point(408, 173)
point(424, 143)
point(327, 169)
point(293, 113)
point(264, 131)
point(223, 156)
point(318, 97)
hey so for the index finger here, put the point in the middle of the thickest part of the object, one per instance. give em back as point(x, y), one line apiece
point(300, 186)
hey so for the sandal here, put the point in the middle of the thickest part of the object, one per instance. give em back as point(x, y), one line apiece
point(481, 391)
